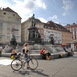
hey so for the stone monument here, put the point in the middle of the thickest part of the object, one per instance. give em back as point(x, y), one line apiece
point(51, 39)
point(13, 41)
point(34, 35)
point(12, 44)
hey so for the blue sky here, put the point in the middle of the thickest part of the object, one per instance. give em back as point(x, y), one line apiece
point(59, 11)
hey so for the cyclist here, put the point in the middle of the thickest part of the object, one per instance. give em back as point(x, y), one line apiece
point(25, 52)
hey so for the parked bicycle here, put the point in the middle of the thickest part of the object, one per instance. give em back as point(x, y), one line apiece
point(19, 62)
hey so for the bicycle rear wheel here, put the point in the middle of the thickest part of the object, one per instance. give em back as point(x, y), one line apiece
point(33, 64)
point(16, 64)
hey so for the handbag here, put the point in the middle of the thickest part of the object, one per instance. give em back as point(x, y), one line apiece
point(12, 57)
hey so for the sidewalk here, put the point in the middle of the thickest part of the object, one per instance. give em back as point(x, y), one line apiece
point(38, 56)
point(63, 67)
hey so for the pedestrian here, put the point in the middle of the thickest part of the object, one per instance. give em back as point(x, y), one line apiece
point(13, 54)
point(48, 55)
point(1, 50)
point(42, 53)
point(65, 48)
point(45, 54)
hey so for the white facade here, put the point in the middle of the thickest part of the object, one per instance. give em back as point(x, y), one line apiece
point(57, 35)
point(8, 21)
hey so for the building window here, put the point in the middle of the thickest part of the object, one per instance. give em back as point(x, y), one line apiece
point(73, 32)
point(73, 29)
point(1, 29)
point(13, 14)
point(0, 24)
point(0, 39)
point(70, 29)
point(75, 36)
point(9, 18)
point(17, 19)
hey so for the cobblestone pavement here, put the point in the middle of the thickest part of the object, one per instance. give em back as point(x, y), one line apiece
point(63, 67)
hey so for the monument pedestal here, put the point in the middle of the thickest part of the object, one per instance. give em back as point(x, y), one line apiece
point(34, 35)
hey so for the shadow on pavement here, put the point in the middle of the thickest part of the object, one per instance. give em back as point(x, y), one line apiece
point(40, 72)
point(30, 72)
point(24, 72)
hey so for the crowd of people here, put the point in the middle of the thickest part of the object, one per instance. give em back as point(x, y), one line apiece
point(45, 54)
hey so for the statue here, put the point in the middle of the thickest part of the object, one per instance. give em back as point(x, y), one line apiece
point(37, 35)
point(34, 35)
point(51, 39)
point(13, 41)
point(33, 21)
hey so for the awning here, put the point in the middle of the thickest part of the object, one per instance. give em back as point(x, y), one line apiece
point(64, 44)
point(76, 45)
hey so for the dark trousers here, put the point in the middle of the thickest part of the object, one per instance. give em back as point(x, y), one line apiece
point(43, 56)
point(48, 54)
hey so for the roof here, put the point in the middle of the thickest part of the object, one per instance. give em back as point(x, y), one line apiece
point(70, 26)
point(55, 26)
point(30, 19)
point(9, 10)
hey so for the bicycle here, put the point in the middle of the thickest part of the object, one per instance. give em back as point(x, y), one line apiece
point(19, 62)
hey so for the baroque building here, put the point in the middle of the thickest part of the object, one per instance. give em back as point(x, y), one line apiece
point(9, 20)
point(48, 31)
point(73, 29)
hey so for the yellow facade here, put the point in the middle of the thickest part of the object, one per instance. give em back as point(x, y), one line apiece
point(66, 37)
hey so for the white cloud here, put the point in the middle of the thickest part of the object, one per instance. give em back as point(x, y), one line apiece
point(40, 3)
point(29, 4)
point(23, 8)
point(57, 22)
point(64, 14)
point(4, 4)
point(53, 17)
point(42, 20)
point(67, 5)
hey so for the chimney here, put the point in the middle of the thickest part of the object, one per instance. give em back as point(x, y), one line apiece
point(49, 22)
point(68, 25)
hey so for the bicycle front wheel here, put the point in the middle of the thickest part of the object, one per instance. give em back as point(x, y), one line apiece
point(33, 64)
point(16, 64)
